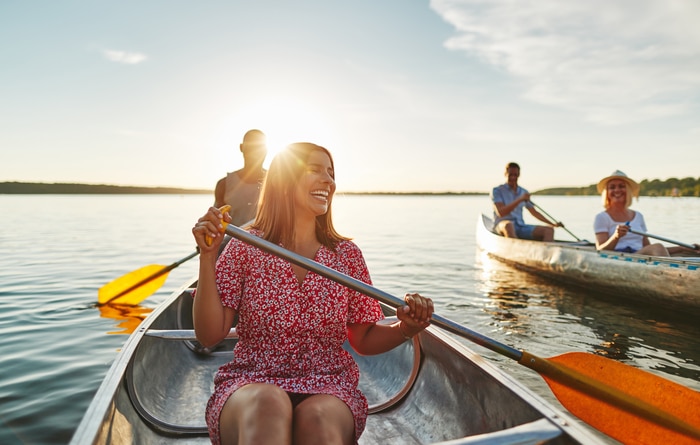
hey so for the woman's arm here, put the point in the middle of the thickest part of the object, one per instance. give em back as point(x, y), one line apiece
point(212, 321)
point(372, 338)
point(605, 242)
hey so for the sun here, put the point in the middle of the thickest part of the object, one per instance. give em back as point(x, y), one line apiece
point(283, 120)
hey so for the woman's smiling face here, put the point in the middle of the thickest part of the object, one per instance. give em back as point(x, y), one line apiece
point(617, 190)
point(316, 186)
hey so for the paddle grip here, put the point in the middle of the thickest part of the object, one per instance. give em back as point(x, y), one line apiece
point(207, 238)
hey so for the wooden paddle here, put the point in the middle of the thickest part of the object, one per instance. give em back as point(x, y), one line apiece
point(688, 246)
point(626, 403)
point(134, 287)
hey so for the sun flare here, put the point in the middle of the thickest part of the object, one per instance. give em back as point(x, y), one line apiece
point(283, 121)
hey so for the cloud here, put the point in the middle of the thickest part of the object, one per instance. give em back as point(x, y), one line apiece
point(129, 58)
point(614, 62)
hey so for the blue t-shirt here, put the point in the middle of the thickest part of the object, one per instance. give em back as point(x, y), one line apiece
point(504, 194)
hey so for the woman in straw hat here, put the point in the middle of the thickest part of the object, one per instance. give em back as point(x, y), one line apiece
point(612, 226)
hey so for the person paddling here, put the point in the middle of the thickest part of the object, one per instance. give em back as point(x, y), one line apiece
point(618, 227)
point(291, 380)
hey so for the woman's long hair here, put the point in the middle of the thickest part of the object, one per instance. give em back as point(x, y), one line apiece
point(276, 212)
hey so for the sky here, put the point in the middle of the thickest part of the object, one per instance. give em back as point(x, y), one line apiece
point(408, 95)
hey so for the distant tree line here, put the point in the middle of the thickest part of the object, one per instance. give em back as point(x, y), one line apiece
point(656, 187)
point(39, 188)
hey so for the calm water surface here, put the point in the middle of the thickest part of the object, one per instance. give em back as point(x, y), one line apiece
point(56, 251)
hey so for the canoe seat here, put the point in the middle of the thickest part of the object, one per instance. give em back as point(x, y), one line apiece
point(385, 382)
point(184, 322)
point(383, 394)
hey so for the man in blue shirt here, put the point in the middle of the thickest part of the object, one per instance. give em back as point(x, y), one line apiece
point(508, 202)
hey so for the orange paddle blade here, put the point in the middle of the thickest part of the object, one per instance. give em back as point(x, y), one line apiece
point(134, 287)
point(626, 403)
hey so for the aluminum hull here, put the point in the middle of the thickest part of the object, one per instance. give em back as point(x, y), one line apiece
point(431, 390)
point(662, 281)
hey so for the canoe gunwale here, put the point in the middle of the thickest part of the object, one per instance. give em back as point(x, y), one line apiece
point(103, 403)
point(536, 432)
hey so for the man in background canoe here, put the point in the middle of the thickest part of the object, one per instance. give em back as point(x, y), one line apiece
point(241, 189)
point(508, 202)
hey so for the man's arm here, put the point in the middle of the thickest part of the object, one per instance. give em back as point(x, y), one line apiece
point(504, 210)
point(541, 217)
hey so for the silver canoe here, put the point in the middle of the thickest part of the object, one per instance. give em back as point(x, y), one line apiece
point(431, 390)
point(668, 281)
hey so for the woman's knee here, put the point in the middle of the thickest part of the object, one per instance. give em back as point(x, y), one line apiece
point(262, 397)
point(325, 418)
point(259, 413)
point(656, 249)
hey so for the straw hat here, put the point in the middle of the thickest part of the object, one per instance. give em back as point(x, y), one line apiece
point(617, 174)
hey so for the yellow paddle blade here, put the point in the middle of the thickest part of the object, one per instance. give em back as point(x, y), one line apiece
point(134, 287)
point(129, 317)
point(626, 403)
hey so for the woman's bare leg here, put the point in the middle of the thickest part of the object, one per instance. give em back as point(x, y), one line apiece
point(656, 249)
point(323, 419)
point(257, 414)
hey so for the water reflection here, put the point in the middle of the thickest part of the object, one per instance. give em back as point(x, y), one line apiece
point(129, 317)
point(512, 296)
point(574, 318)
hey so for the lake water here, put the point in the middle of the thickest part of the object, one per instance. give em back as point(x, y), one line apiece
point(57, 250)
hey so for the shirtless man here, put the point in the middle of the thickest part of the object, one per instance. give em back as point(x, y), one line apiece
point(241, 189)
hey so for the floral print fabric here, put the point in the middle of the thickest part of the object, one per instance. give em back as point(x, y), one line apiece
point(291, 334)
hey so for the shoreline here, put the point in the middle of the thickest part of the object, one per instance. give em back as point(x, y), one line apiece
point(39, 188)
point(665, 188)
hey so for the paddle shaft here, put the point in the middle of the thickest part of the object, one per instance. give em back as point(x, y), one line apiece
point(148, 279)
point(555, 220)
point(564, 375)
point(371, 291)
point(688, 246)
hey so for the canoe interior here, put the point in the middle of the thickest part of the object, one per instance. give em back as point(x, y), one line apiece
point(159, 395)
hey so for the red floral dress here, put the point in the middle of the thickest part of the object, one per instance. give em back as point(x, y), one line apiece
point(290, 334)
